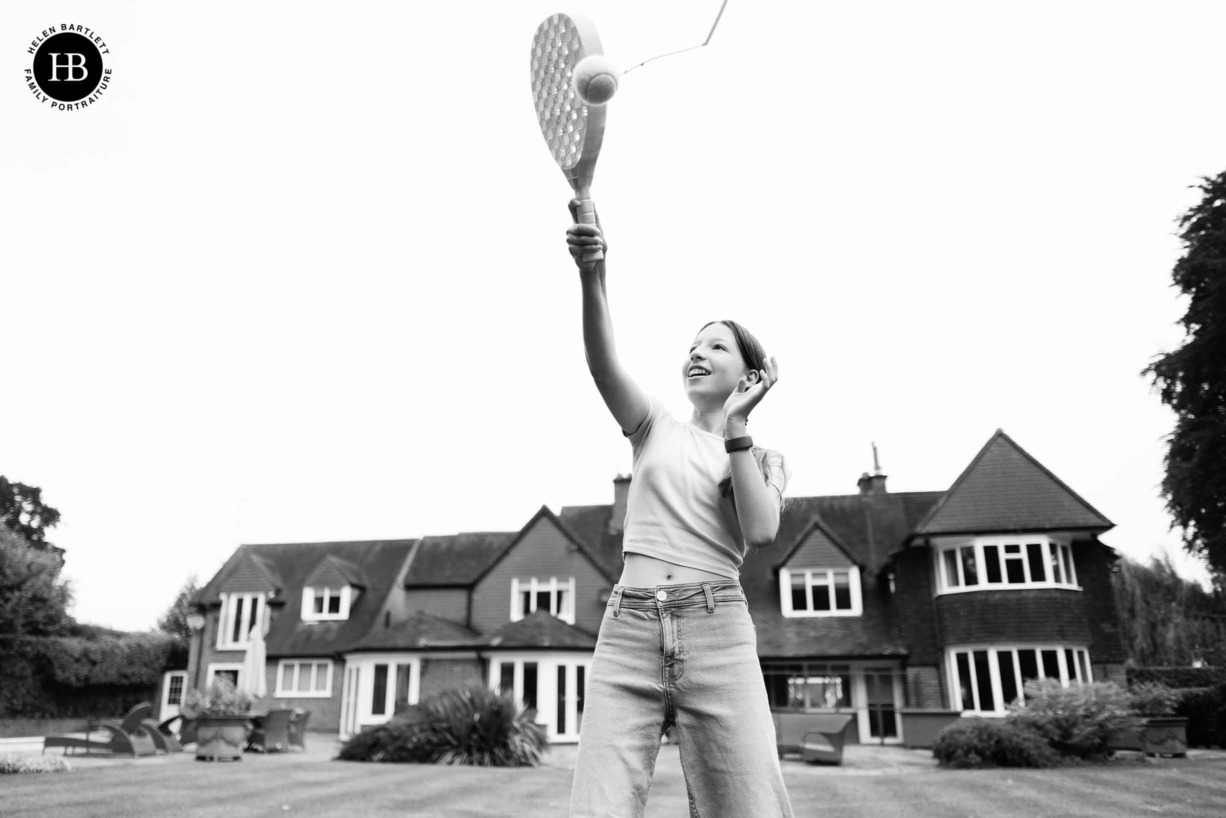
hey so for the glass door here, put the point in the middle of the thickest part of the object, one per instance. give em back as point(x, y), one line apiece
point(880, 705)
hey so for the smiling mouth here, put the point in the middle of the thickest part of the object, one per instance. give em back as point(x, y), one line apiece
point(697, 372)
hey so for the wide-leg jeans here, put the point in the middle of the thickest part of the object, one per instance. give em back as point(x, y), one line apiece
point(683, 655)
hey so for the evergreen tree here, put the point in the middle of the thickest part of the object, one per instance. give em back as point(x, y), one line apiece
point(33, 599)
point(174, 622)
point(23, 512)
point(1192, 381)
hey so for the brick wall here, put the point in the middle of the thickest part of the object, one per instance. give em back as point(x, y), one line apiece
point(1093, 564)
point(912, 606)
point(926, 687)
point(444, 674)
point(1006, 617)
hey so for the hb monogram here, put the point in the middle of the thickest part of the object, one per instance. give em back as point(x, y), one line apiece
point(71, 66)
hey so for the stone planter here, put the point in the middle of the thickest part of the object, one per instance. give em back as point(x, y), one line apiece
point(1157, 736)
point(1165, 736)
point(221, 738)
point(921, 726)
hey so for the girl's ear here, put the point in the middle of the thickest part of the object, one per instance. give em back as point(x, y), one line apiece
point(752, 375)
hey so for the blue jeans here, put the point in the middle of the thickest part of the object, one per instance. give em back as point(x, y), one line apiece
point(682, 655)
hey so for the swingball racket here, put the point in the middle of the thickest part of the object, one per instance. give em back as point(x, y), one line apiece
point(572, 129)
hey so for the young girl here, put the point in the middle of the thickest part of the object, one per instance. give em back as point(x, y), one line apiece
point(677, 646)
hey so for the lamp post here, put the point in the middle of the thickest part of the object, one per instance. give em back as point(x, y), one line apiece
point(195, 624)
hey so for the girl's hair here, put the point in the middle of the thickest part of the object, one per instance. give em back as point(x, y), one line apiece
point(755, 359)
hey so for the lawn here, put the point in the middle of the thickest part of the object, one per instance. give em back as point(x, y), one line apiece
point(875, 782)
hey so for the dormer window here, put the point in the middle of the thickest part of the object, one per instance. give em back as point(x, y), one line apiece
point(326, 604)
point(984, 563)
point(557, 596)
point(820, 591)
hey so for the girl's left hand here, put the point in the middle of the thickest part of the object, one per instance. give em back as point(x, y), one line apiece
point(741, 402)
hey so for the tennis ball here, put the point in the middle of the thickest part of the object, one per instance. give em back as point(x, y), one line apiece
point(595, 79)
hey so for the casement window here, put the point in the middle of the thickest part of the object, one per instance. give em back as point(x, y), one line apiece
point(807, 685)
point(239, 613)
point(820, 592)
point(557, 596)
point(1036, 561)
point(984, 680)
point(303, 678)
point(326, 604)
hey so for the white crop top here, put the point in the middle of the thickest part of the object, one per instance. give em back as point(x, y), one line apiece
point(674, 511)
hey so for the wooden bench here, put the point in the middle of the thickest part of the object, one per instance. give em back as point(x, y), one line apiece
point(814, 736)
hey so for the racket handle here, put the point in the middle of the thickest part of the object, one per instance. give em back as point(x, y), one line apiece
point(587, 215)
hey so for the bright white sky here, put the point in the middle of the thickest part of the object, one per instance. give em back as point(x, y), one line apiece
point(300, 274)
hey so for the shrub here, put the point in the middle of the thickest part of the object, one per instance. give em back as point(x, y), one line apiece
point(219, 699)
point(14, 764)
point(1205, 710)
point(1078, 720)
point(972, 743)
point(1153, 699)
point(469, 726)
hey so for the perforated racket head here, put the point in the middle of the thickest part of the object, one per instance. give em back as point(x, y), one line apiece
point(573, 131)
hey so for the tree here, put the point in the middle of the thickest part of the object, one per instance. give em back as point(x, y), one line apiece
point(23, 512)
point(33, 599)
point(1166, 620)
point(1192, 381)
point(174, 621)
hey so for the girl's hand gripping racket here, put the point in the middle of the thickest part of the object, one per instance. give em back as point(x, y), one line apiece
point(573, 130)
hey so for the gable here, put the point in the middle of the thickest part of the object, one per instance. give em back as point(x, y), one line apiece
point(818, 549)
point(1005, 489)
point(333, 572)
point(251, 576)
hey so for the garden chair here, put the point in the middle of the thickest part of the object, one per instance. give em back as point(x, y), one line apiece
point(297, 729)
point(134, 734)
point(815, 736)
point(175, 736)
point(271, 732)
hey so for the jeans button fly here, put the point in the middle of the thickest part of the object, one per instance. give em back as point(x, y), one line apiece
point(661, 595)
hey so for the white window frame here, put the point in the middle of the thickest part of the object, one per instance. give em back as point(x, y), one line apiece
point(1080, 673)
point(825, 579)
point(1059, 548)
point(554, 586)
point(309, 594)
point(312, 670)
point(225, 625)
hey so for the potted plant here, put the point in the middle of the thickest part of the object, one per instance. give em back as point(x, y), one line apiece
point(222, 720)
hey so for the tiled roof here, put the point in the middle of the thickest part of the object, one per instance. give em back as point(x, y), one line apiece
point(590, 524)
point(1005, 489)
point(288, 635)
point(540, 630)
point(420, 631)
point(456, 559)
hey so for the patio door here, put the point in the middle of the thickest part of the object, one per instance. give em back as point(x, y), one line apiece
point(173, 684)
point(879, 716)
point(375, 686)
point(553, 686)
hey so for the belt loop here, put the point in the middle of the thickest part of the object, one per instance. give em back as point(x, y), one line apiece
point(617, 600)
point(706, 589)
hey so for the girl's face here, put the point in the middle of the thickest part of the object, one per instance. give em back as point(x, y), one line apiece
point(714, 365)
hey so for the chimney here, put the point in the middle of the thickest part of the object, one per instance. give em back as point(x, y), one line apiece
point(621, 488)
point(873, 483)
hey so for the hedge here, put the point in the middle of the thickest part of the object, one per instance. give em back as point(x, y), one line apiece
point(1205, 710)
point(66, 677)
point(1177, 677)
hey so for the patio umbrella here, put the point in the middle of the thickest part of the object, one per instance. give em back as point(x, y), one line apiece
point(251, 677)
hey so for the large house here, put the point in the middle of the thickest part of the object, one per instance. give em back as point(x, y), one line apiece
point(867, 603)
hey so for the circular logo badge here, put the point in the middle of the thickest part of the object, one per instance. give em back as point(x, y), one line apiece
point(68, 71)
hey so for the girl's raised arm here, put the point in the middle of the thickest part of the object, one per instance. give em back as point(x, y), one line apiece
point(621, 394)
